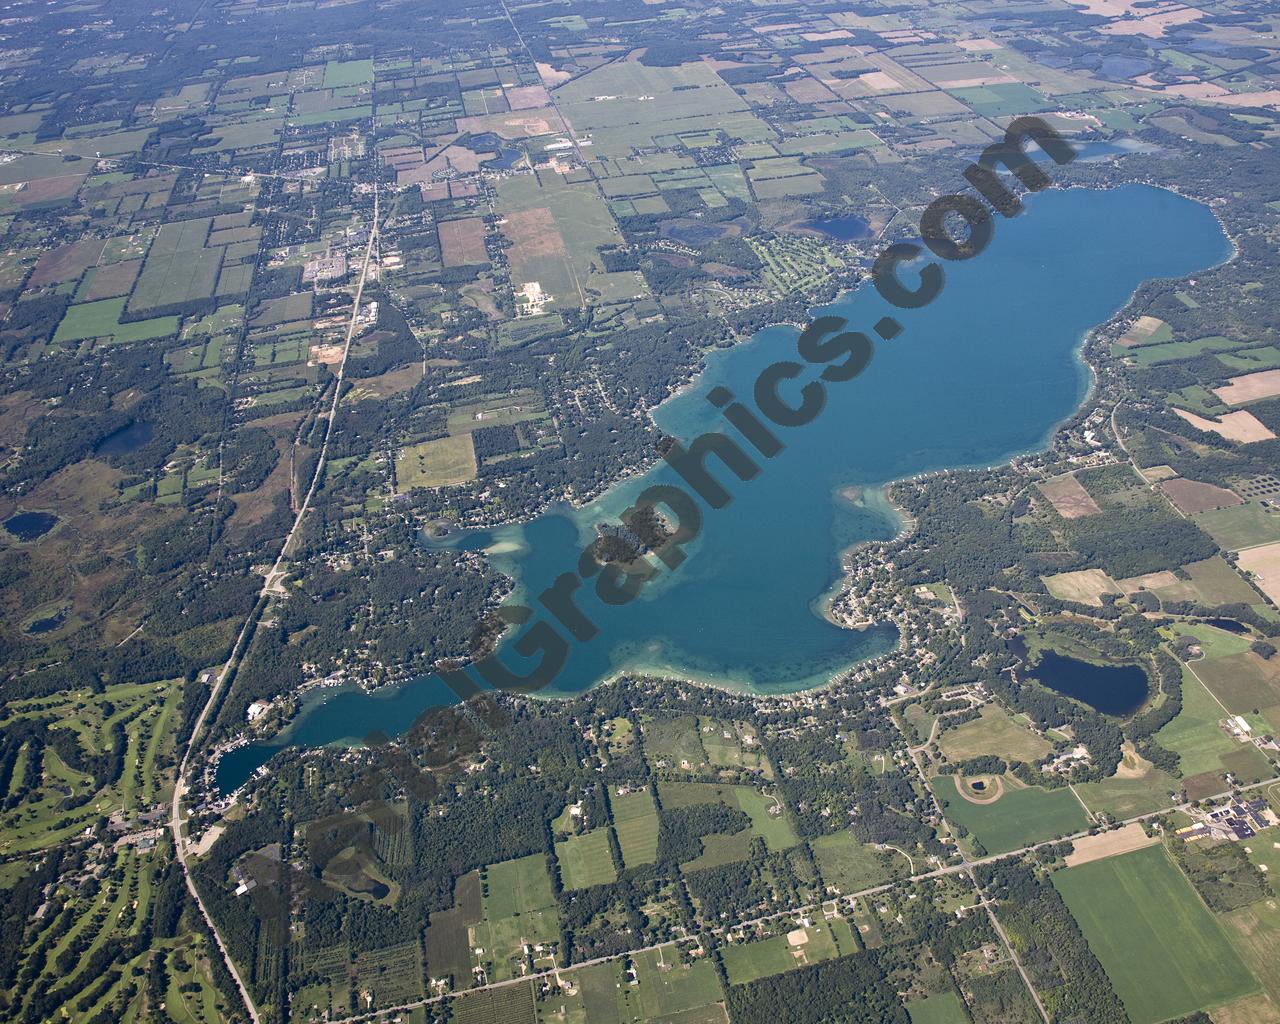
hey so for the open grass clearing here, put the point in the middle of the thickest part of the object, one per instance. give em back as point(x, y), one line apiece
point(994, 732)
point(444, 462)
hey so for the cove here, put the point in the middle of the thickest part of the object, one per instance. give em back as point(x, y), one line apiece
point(1112, 689)
point(985, 372)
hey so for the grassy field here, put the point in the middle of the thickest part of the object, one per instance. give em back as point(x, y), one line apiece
point(1240, 526)
point(340, 73)
point(1018, 818)
point(635, 819)
point(102, 320)
point(585, 860)
point(775, 829)
point(733, 745)
point(444, 462)
point(941, 1009)
point(852, 865)
point(1194, 734)
point(1217, 583)
point(749, 961)
point(518, 908)
point(1242, 682)
point(1165, 953)
point(674, 743)
point(993, 733)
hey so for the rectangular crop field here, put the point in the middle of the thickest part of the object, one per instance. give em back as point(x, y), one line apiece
point(1242, 681)
point(586, 860)
point(182, 277)
point(102, 320)
point(1163, 950)
point(635, 819)
point(1015, 817)
point(1241, 526)
point(462, 242)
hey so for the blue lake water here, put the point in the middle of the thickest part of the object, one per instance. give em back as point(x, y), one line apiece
point(847, 229)
point(1112, 689)
point(984, 372)
point(29, 526)
point(127, 439)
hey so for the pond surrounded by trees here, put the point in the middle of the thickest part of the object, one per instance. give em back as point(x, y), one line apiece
point(1117, 690)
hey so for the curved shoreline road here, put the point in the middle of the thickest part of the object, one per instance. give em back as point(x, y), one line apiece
point(270, 586)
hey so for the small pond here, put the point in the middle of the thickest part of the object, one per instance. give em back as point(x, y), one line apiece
point(127, 439)
point(29, 526)
point(48, 624)
point(1112, 689)
point(1230, 625)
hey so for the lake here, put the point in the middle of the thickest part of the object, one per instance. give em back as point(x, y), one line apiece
point(1112, 689)
point(986, 371)
point(29, 526)
point(125, 440)
point(846, 229)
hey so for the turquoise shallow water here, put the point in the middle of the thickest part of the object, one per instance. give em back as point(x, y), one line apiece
point(984, 372)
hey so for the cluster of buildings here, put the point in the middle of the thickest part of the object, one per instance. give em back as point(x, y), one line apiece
point(1235, 820)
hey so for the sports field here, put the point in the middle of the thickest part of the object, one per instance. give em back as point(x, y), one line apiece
point(1163, 950)
point(1018, 818)
point(749, 961)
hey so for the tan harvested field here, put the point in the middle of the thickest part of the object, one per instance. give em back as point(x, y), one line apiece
point(1250, 387)
point(462, 242)
point(527, 97)
point(1069, 497)
point(1109, 844)
point(1264, 563)
point(993, 733)
point(1085, 586)
point(1151, 581)
point(1194, 496)
point(534, 237)
point(1255, 1009)
point(1234, 426)
point(1142, 330)
point(977, 45)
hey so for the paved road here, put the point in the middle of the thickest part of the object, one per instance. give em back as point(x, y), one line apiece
point(269, 586)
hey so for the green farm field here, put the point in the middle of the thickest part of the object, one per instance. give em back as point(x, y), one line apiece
point(1020, 817)
point(1163, 950)
point(635, 819)
point(102, 320)
point(586, 860)
point(1240, 526)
